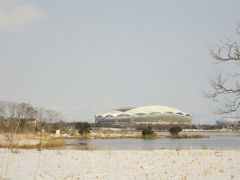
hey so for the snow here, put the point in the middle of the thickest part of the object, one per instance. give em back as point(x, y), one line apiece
point(120, 164)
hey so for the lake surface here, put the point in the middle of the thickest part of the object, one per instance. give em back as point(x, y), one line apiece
point(217, 140)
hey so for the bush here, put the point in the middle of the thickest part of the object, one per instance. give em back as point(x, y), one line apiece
point(83, 127)
point(148, 131)
point(175, 130)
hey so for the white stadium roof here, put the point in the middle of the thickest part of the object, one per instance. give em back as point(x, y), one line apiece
point(229, 121)
point(143, 110)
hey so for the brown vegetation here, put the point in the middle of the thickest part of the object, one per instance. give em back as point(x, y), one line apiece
point(46, 145)
point(188, 136)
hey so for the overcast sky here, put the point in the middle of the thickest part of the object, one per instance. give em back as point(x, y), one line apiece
point(86, 57)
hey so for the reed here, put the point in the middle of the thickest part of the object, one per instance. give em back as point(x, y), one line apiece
point(117, 136)
point(178, 148)
point(188, 136)
point(45, 143)
point(125, 136)
point(204, 147)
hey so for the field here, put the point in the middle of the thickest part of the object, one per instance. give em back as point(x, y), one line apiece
point(117, 164)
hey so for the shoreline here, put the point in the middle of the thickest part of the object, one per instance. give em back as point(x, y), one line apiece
point(58, 141)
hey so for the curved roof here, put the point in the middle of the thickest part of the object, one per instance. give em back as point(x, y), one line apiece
point(229, 121)
point(113, 113)
point(143, 110)
point(123, 109)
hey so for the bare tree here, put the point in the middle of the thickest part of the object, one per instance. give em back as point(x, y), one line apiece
point(52, 117)
point(24, 111)
point(16, 112)
point(16, 116)
point(226, 88)
point(2, 109)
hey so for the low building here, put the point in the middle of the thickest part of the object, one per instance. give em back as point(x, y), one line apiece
point(144, 115)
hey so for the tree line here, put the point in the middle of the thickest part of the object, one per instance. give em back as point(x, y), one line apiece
point(16, 115)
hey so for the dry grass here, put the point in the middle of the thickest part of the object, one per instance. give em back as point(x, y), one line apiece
point(178, 148)
point(87, 147)
point(42, 142)
point(188, 136)
point(117, 136)
point(155, 136)
point(125, 136)
point(205, 147)
point(48, 143)
point(16, 146)
point(122, 134)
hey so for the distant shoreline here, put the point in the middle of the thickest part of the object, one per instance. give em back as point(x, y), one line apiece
point(213, 130)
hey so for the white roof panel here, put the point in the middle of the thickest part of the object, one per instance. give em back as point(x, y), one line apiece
point(144, 110)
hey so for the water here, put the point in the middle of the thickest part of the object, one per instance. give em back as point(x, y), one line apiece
point(217, 140)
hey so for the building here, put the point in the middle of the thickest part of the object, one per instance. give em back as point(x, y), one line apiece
point(144, 115)
point(229, 121)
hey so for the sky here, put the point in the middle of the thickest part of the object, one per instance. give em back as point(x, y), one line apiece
point(82, 58)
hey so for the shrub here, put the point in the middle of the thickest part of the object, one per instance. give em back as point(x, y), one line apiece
point(175, 130)
point(83, 127)
point(148, 131)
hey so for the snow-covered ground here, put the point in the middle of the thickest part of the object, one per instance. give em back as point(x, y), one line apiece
point(120, 164)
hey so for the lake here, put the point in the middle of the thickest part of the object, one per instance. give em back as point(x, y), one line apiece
point(217, 140)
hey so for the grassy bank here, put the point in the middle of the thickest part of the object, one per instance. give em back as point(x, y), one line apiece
point(52, 141)
point(179, 136)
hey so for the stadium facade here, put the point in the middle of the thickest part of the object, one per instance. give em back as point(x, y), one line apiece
point(229, 121)
point(144, 115)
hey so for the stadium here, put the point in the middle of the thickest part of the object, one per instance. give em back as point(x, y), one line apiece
point(229, 121)
point(162, 115)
